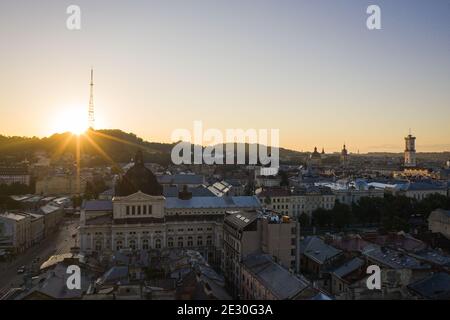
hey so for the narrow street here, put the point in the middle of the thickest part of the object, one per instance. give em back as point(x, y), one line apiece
point(59, 242)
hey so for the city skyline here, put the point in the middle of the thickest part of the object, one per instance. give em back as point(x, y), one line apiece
point(231, 152)
point(312, 70)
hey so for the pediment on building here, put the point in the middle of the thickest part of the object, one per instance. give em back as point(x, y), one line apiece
point(139, 196)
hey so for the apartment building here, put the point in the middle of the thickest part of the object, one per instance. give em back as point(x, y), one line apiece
point(15, 232)
point(439, 222)
point(250, 232)
point(264, 279)
point(294, 202)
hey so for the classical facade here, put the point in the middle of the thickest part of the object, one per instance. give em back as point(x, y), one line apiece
point(134, 220)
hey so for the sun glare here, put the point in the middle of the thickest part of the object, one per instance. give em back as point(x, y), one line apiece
point(72, 119)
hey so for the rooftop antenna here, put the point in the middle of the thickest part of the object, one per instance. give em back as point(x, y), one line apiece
point(91, 102)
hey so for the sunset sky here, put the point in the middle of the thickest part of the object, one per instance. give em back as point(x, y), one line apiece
point(308, 68)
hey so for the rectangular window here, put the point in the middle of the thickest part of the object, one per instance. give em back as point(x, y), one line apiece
point(138, 210)
point(128, 210)
point(145, 210)
point(133, 210)
point(150, 210)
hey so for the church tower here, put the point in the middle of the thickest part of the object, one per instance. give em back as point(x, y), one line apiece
point(344, 156)
point(410, 151)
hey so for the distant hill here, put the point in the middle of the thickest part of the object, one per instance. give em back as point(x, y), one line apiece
point(118, 145)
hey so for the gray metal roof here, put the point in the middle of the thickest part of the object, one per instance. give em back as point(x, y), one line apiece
point(114, 275)
point(180, 179)
point(98, 205)
point(321, 296)
point(433, 256)
point(214, 202)
point(49, 208)
point(316, 249)
point(200, 191)
point(242, 219)
point(109, 192)
point(277, 279)
point(436, 286)
point(393, 259)
point(348, 267)
point(425, 186)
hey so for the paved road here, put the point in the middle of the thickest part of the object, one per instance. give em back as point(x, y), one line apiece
point(59, 242)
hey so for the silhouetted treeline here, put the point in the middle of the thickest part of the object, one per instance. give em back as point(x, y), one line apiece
point(390, 212)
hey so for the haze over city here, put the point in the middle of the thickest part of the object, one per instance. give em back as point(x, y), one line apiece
point(311, 69)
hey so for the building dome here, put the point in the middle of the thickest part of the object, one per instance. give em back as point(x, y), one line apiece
point(315, 154)
point(138, 178)
point(344, 151)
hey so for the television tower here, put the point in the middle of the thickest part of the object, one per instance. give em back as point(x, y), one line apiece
point(91, 102)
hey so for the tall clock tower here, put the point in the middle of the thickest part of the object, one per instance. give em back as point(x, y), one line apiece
point(410, 151)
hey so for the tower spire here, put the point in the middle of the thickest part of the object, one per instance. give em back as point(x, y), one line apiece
point(91, 102)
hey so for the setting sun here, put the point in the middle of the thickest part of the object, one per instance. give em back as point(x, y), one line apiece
point(72, 119)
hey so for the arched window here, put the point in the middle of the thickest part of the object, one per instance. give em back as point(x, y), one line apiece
point(200, 241)
point(158, 243)
point(145, 245)
point(209, 241)
point(170, 242)
point(180, 242)
point(119, 245)
point(98, 245)
point(132, 244)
